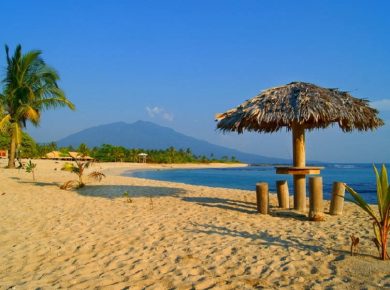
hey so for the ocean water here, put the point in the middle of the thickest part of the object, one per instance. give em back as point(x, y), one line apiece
point(360, 177)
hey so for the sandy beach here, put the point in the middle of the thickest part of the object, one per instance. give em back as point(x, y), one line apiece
point(170, 236)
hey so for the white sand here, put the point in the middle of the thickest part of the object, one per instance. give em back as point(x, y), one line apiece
point(171, 236)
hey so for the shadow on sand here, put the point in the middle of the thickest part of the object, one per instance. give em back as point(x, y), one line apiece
point(224, 203)
point(243, 207)
point(114, 191)
point(263, 237)
point(39, 183)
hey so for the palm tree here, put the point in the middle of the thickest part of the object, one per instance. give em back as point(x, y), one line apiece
point(30, 86)
point(83, 149)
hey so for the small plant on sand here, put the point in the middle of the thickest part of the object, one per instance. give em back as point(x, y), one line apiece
point(354, 244)
point(151, 202)
point(30, 168)
point(128, 198)
point(381, 222)
point(78, 167)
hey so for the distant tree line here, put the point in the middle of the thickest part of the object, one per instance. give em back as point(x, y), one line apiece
point(109, 153)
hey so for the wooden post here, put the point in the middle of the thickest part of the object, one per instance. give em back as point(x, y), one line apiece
point(262, 197)
point(300, 193)
point(283, 194)
point(337, 201)
point(299, 158)
point(316, 212)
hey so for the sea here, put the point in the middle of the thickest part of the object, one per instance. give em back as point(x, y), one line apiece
point(360, 177)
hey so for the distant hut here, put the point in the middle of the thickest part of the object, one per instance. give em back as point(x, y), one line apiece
point(57, 155)
point(142, 157)
point(79, 156)
point(300, 106)
point(54, 155)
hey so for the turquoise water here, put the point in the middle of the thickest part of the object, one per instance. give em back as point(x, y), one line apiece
point(359, 176)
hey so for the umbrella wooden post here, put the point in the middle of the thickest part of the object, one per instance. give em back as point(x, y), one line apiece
point(300, 192)
point(299, 159)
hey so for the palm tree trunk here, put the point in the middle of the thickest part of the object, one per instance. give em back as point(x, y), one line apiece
point(12, 151)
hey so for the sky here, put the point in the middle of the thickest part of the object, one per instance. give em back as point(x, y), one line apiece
point(178, 63)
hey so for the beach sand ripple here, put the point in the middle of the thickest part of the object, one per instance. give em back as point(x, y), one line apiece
point(171, 236)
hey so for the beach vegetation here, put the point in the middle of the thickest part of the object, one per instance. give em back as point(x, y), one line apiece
point(381, 219)
point(83, 149)
point(27, 149)
point(110, 153)
point(45, 148)
point(151, 205)
point(128, 198)
point(29, 87)
point(78, 167)
point(30, 168)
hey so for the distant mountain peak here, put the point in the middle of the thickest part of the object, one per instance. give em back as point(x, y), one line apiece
point(148, 135)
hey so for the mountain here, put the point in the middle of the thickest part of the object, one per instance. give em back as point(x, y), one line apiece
point(147, 135)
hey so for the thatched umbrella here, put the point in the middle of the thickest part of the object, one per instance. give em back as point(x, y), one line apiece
point(299, 106)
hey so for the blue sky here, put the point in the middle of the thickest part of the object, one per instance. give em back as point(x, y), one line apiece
point(178, 63)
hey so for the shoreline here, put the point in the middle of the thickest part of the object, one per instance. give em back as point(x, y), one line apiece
point(112, 167)
point(170, 235)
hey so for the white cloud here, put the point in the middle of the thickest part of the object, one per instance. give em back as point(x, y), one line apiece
point(382, 105)
point(168, 116)
point(152, 112)
point(159, 112)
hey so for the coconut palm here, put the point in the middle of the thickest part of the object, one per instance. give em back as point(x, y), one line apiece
point(381, 221)
point(30, 87)
point(79, 167)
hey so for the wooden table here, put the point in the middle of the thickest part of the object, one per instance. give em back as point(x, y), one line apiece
point(299, 174)
point(298, 170)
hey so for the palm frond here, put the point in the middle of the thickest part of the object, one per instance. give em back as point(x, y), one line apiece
point(70, 185)
point(87, 164)
point(97, 175)
point(384, 187)
point(28, 112)
point(359, 201)
point(378, 191)
point(54, 102)
point(28, 63)
point(68, 167)
point(5, 123)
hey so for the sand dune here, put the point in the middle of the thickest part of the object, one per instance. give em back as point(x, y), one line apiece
point(171, 236)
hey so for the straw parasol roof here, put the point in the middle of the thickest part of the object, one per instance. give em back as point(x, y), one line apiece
point(307, 104)
point(300, 106)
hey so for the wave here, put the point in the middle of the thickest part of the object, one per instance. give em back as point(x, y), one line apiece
point(345, 166)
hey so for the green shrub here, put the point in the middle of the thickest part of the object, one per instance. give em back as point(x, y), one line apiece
point(381, 221)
